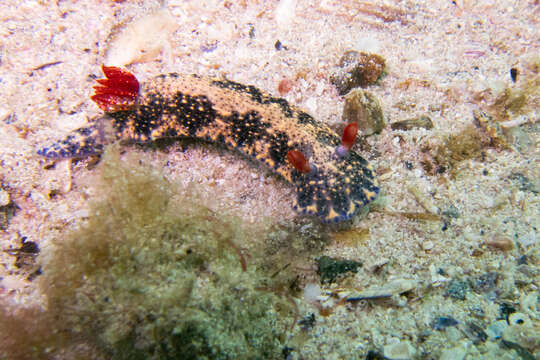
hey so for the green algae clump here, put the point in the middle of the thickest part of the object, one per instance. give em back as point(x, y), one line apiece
point(156, 275)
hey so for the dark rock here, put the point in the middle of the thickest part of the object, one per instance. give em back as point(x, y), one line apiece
point(442, 322)
point(373, 355)
point(485, 282)
point(523, 353)
point(475, 333)
point(330, 268)
point(307, 322)
point(505, 310)
point(457, 289)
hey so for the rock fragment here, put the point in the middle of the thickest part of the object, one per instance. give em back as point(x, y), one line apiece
point(363, 108)
point(422, 121)
point(390, 289)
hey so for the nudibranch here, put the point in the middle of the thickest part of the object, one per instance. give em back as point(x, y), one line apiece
point(332, 181)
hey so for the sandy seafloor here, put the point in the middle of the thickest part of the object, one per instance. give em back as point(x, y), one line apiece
point(444, 59)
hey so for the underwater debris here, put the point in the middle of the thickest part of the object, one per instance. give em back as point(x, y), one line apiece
point(394, 287)
point(517, 101)
point(46, 65)
point(455, 148)
point(493, 129)
point(379, 12)
point(514, 74)
point(525, 183)
point(357, 69)
point(26, 254)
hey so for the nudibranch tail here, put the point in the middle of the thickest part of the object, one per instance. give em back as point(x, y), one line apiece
point(82, 142)
point(118, 92)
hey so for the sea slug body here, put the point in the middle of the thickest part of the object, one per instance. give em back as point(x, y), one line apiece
point(332, 181)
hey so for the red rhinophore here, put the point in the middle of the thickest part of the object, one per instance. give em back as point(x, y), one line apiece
point(118, 92)
point(349, 135)
point(298, 160)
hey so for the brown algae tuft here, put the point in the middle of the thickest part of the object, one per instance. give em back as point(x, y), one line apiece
point(357, 69)
point(155, 275)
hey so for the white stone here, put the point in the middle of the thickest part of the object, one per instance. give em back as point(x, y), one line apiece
point(142, 40)
point(402, 350)
point(4, 197)
point(311, 292)
point(455, 353)
point(285, 12)
point(428, 245)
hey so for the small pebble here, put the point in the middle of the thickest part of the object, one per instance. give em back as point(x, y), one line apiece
point(4, 114)
point(455, 353)
point(427, 245)
point(443, 322)
point(450, 212)
point(284, 86)
point(518, 318)
point(495, 330)
point(485, 282)
point(529, 303)
point(514, 74)
point(523, 335)
point(422, 121)
point(457, 289)
point(524, 183)
point(4, 198)
point(500, 242)
point(363, 108)
point(402, 350)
